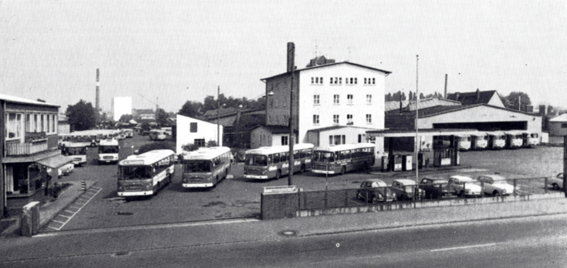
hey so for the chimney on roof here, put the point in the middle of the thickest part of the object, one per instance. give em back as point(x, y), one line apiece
point(477, 94)
point(40, 100)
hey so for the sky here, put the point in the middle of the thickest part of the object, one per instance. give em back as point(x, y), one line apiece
point(169, 52)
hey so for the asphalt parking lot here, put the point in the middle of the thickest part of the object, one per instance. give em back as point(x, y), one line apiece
point(240, 198)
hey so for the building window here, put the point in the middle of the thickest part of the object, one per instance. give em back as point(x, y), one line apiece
point(29, 126)
point(318, 80)
point(349, 119)
point(336, 119)
point(368, 99)
point(355, 80)
point(284, 140)
point(365, 80)
point(368, 119)
point(14, 126)
point(312, 80)
point(336, 99)
point(340, 80)
point(349, 99)
point(199, 142)
point(563, 125)
point(48, 123)
point(359, 138)
point(330, 139)
point(337, 139)
point(373, 81)
point(315, 99)
point(193, 127)
point(351, 80)
point(316, 119)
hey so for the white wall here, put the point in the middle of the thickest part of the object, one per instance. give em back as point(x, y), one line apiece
point(121, 106)
point(326, 108)
point(483, 114)
point(205, 130)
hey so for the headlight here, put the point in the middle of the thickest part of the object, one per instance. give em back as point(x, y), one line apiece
point(264, 172)
point(148, 187)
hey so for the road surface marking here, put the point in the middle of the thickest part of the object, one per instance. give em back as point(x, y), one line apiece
point(464, 247)
point(69, 211)
point(98, 189)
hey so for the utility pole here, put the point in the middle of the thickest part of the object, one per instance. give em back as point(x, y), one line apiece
point(218, 115)
point(290, 69)
point(417, 142)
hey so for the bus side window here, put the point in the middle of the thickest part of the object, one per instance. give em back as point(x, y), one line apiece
point(276, 158)
point(270, 157)
point(302, 154)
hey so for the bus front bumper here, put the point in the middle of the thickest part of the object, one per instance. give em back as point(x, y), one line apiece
point(323, 171)
point(256, 176)
point(197, 185)
point(140, 193)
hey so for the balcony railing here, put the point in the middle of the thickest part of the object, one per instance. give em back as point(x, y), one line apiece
point(28, 148)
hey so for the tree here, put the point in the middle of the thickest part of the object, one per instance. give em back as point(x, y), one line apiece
point(161, 118)
point(156, 146)
point(191, 109)
point(125, 118)
point(81, 115)
point(517, 100)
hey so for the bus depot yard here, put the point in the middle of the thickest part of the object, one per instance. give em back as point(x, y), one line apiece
point(239, 197)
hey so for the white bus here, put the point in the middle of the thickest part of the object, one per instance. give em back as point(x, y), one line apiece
point(531, 139)
point(464, 141)
point(273, 162)
point(77, 151)
point(343, 158)
point(145, 174)
point(205, 167)
point(479, 141)
point(514, 139)
point(108, 151)
point(496, 140)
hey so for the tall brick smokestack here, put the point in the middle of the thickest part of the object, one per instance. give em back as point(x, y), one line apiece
point(290, 56)
point(97, 105)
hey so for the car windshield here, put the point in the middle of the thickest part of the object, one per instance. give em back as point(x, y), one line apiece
point(197, 165)
point(76, 150)
point(108, 149)
point(135, 172)
point(323, 156)
point(256, 160)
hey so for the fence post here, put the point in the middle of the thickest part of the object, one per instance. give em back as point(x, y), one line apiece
point(545, 185)
point(515, 187)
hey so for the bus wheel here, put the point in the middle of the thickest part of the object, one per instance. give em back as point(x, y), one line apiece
point(278, 174)
point(343, 170)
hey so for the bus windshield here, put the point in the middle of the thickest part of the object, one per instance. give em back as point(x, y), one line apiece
point(256, 160)
point(135, 172)
point(76, 150)
point(198, 166)
point(323, 156)
point(108, 149)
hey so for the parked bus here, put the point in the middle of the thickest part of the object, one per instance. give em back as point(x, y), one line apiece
point(77, 151)
point(496, 140)
point(273, 162)
point(145, 174)
point(531, 139)
point(464, 141)
point(108, 151)
point(205, 167)
point(479, 141)
point(343, 158)
point(514, 139)
point(128, 132)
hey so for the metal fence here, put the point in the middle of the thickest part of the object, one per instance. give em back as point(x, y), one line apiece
point(344, 198)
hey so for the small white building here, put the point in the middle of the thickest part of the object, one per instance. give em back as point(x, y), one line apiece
point(194, 131)
point(121, 106)
point(558, 125)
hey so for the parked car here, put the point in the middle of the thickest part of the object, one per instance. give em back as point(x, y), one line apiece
point(403, 189)
point(496, 185)
point(557, 182)
point(375, 190)
point(464, 186)
point(434, 187)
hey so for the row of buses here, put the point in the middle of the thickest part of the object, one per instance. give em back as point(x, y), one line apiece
point(75, 145)
point(145, 174)
point(498, 140)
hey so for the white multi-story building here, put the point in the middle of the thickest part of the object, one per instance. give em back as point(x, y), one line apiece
point(121, 106)
point(334, 103)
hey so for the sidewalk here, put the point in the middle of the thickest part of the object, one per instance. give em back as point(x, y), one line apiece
point(49, 209)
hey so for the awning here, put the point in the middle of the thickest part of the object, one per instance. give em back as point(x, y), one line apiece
point(55, 161)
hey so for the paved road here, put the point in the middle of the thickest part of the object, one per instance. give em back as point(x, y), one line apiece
point(521, 242)
point(240, 198)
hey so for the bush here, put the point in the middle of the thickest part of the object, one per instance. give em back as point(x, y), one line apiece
point(156, 146)
point(189, 147)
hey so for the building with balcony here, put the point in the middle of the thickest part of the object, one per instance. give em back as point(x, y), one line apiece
point(30, 156)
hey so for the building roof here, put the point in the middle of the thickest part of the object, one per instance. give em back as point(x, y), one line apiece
point(327, 65)
point(335, 127)
point(15, 99)
point(275, 129)
point(562, 118)
point(423, 103)
point(470, 98)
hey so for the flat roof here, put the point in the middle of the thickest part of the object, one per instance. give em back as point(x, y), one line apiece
point(422, 132)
